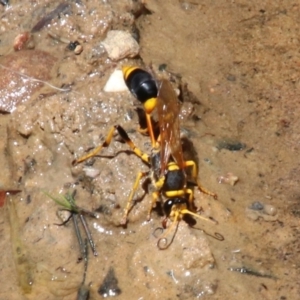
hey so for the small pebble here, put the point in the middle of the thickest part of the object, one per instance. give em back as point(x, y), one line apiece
point(230, 145)
point(78, 49)
point(23, 40)
point(72, 45)
point(260, 210)
point(109, 287)
point(270, 210)
point(229, 178)
point(120, 44)
point(256, 206)
point(231, 77)
point(63, 215)
point(115, 82)
point(91, 172)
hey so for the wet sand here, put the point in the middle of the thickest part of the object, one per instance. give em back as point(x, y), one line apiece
point(239, 61)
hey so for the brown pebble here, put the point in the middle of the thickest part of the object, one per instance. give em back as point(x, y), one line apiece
point(78, 49)
point(21, 40)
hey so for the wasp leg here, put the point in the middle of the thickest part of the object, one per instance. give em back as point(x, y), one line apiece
point(186, 211)
point(143, 131)
point(130, 199)
point(191, 163)
point(150, 128)
point(160, 182)
point(155, 196)
point(206, 191)
point(143, 156)
point(183, 192)
point(176, 214)
point(179, 211)
point(107, 142)
point(97, 149)
point(163, 242)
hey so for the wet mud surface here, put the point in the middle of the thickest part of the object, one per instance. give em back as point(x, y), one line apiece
point(241, 117)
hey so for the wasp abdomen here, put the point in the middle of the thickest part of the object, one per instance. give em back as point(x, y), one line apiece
point(141, 84)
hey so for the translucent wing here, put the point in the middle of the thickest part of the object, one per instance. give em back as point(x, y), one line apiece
point(168, 117)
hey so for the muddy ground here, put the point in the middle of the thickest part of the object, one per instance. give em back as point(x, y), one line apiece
point(240, 60)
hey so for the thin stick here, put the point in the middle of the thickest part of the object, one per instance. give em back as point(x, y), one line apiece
point(87, 231)
point(78, 235)
point(85, 257)
point(84, 291)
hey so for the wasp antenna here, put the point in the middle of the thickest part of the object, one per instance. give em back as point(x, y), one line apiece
point(185, 211)
point(163, 242)
point(216, 235)
point(158, 231)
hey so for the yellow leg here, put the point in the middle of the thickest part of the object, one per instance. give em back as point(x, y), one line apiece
point(183, 192)
point(107, 142)
point(163, 243)
point(155, 196)
point(186, 211)
point(191, 163)
point(160, 182)
point(150, 129)
point(130, 199)
point(97, 149)
point(205, 191)
point(182, 209)
point(143, 131)
point(175, 216)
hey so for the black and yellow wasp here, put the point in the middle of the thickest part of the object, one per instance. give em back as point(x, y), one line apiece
point(167, 166)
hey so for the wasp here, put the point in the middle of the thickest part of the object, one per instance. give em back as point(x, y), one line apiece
point(167, 167)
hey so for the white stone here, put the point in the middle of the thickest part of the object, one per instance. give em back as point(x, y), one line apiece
point(115, 82)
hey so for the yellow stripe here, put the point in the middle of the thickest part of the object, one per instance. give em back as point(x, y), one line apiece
point(173, 166)
point(127, 70)
point(149, 105)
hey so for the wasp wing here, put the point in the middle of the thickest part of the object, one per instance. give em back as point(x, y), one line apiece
point(168, 109)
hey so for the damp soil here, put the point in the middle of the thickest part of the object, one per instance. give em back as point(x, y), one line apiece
point(239, 62)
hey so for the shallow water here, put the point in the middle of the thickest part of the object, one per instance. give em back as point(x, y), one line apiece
point(240, 61)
